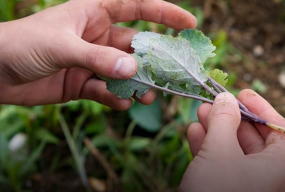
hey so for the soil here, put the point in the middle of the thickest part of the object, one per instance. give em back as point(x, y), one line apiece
point(256, 29)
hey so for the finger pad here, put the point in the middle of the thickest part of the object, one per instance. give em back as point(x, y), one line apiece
point(196, 135)
point(147, 98)
point(203, 112)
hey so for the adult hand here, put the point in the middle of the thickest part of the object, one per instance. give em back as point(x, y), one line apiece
point(50, 57)
point(235, 156)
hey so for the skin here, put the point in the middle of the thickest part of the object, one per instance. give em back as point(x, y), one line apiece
point(50, 57)
point(233, 155)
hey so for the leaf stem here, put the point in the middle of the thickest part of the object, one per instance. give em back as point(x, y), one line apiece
point(217, 89)
point(216, 84)
point(202, 83)
point(197, 97)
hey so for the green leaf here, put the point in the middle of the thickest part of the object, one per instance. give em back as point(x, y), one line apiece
point(147, 117)
point(187, 109)
point(126, 88)
point(105, 141)
point(46, 136)
point(8, 128)
point(199, 42)
point(96, 126)
point(176, 62)
point(219, 76)
point(4, 149)
point(30, 162)
point(258, 86)
point(96, 108)
point(139, 143)
point(171, 65)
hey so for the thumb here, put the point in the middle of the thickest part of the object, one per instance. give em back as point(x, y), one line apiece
point(223, 121)
point(102, 60)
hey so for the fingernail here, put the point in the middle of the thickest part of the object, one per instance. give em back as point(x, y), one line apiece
point(125, 66)
point(225, 98)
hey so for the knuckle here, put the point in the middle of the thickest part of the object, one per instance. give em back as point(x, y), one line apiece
point(224, 110)
point(95, 57)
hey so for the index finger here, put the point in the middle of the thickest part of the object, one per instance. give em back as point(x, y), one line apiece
point(157, 11)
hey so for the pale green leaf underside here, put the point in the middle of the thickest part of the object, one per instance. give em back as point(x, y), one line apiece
point(200, 43)
point(171, 64)
point(175, 61)
point(140, 42)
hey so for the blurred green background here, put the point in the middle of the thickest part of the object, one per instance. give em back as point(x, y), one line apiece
point(85, 146)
